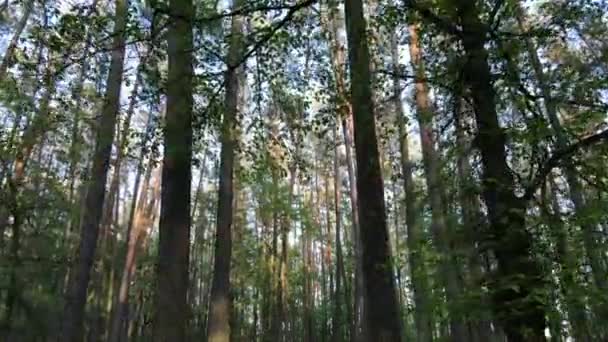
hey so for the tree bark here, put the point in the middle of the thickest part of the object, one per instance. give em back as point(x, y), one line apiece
point(172, 310)
point(220, 304)
point(381, 311)
point(76, 295)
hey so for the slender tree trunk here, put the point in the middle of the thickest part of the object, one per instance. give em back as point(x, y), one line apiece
point(113, 191)
point(110, 221)
point(172, 310)
point(336, 21)
point(338, 331)
point(274, 324)
point(325, 270)
point(355, 327)
point(327, 262)
point(120, 300)
point(198, 250)
point(28, 7)
point(76, 296)
point(519, 278)
point(220, 305)
point(285, 227)
point(144, 219)
point(415, 236)
point(449, 265)
point(397, 238)
point(139, 171)
point(382, 314)
point(307, 254)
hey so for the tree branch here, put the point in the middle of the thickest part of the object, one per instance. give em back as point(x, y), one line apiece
point(560, 156)
point(443, 23)
point(292, 11)
point(243, 10)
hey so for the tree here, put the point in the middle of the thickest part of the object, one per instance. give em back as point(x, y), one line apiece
point(415, 239)
point(439, 226)
point(380, 295)
point(76, 294)
point(142, 220)
point(171, 311)
point(519, 288)
point(220, 305)
point(475, 209)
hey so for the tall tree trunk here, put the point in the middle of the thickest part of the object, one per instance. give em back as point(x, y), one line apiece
point(28, 7)
point(472, 219)
point(307, 255)
point(415, 235)
point(356, 233)
point(566, 258)
point(286, 224)
point(338, 331)
point(220, 305)
point(336, 22)
point(172, 311)
point(110, 216)
point(113, 191)
point(381, 311)
point(274, 261)
point(449, 265)
point(519, 279)
point(144, 219)
point(326, 263)
point(121, 301)
point(285, 227)
point(324, 254)
point(140, 168)
point(397, 238)
point(76, 295)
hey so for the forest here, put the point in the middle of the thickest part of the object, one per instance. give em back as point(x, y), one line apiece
point(304, 170)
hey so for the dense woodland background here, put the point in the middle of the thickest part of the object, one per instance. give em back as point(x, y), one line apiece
point(305, 170)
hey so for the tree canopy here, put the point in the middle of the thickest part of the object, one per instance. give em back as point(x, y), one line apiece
point(304, 170)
